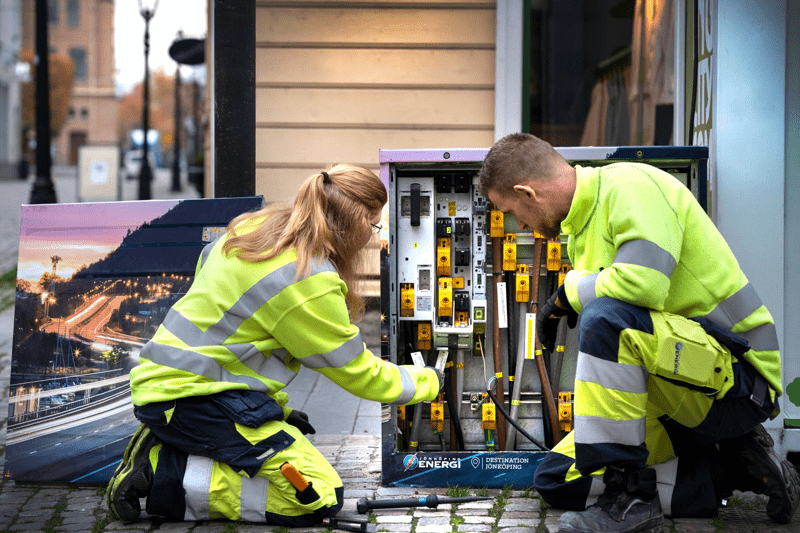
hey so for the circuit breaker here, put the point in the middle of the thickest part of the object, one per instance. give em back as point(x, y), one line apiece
point(463, 285)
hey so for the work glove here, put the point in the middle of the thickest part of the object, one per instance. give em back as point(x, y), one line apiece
point(550, 315)
point(300, 420)
point(440, 375)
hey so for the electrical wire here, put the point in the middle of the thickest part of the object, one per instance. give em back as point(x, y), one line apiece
point(512, 421)
point(500, 407)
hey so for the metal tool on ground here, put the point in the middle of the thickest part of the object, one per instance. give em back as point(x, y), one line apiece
point(433, 501)
point(347, 524)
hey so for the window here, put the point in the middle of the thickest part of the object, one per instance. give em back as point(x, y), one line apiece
point(52, 12)
point(78, 56)
point(73, 13)
point(584, 64)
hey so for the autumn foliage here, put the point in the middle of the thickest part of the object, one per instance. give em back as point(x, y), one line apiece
point(162, 107)
point(61, 77)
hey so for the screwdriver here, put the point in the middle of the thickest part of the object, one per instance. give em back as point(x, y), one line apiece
point(363, 505)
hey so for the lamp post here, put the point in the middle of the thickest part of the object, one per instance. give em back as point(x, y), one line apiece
point(145, 172)
point(43, 191)
point(176, 160)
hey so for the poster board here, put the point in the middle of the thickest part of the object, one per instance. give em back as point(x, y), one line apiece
point(94, 281)
point(98, 174)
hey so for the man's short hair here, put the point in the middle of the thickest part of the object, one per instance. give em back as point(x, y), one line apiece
point(517, 158)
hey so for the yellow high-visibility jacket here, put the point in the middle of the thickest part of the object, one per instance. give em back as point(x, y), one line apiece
point(638, 235)
point(246, 325)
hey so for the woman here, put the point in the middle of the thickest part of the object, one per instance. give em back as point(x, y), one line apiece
point(272, 295)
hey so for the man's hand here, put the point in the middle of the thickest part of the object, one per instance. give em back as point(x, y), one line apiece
point(300, 420)
point(550, 315)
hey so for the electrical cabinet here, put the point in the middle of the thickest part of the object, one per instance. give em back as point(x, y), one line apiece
point(461, 284)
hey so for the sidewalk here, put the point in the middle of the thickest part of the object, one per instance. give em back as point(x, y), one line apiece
point(349, 438)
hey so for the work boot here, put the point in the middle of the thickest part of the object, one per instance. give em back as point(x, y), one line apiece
point(629, 504)
point(133, 478)
point(753, 466)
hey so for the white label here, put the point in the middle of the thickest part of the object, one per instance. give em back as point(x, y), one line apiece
point(441, 361)
point(502, 307)
point(530, 335)
point(424, 303)
point(417, 358)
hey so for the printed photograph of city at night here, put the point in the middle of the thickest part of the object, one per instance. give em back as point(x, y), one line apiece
point(94, 282)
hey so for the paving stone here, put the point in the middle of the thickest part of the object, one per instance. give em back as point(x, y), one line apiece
point(434, 528)
point(394, 528)
point(393, 519)
point(433, 520)
point(31, 526)
point(514, 522)
point(474, 528)
point(479, 519)
point(529, 506)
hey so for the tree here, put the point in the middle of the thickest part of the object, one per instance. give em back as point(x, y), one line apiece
point(61, 77)
point(162, 108)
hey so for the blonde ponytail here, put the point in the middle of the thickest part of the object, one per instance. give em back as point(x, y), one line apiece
point(330, 207)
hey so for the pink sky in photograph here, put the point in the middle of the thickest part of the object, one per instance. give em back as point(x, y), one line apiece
point(79, 234)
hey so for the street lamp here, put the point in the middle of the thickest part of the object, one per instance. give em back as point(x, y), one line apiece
point(145, 172)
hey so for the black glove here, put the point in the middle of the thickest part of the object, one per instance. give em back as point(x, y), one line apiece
point(300, 420)
point(550, 315)
point(440, 375)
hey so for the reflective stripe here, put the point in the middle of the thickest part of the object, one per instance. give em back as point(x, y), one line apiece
point(762, 338)
point(196, 363)
point(336, 358)
point(625, 378)
point(595, 490)
point(409, 389)
point(647, 254)
point(197, 485)
point(244, 308)
point(736, 307)
point(666, 476)
point(253, 499)
point(599, 430)
point(206, 252)
point(586, 289)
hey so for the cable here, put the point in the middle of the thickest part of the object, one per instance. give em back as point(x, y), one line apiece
point(513, 422)
point(455, 419)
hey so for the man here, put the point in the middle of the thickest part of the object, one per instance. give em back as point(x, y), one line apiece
point(678, 360)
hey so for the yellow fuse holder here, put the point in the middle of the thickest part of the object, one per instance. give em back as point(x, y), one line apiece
point(488, 415)
point(458, 282)
point(424, 336)
point(523, 283)
point(565, 411)
point(462, 318)
point(510, 252)
point(445, 297)
point(401, 416)
point(437, 416)
point(496, 224)
point(562, 275)
point(554, 254)
point(443, 257)
point(406, 299)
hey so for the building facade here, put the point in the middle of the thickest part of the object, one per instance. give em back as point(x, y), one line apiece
point(9, 89)
point(84, 31)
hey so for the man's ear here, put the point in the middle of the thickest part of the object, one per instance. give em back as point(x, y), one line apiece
point(526, 190)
